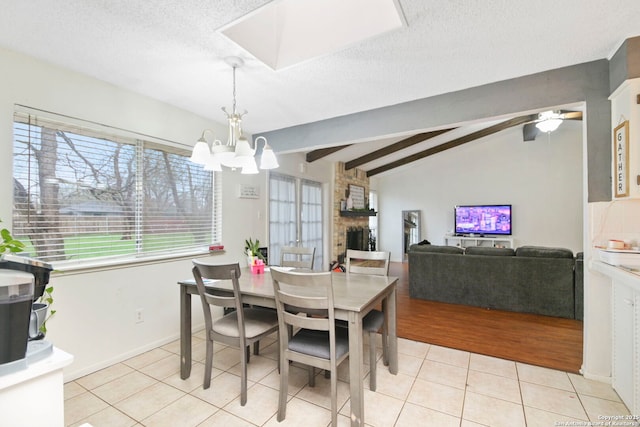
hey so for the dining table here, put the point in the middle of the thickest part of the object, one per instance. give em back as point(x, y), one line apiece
point(355, 295)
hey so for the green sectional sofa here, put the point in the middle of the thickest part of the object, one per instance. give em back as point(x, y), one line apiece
point(530, 279)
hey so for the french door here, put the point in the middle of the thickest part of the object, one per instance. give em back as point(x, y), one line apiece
point(295, 216)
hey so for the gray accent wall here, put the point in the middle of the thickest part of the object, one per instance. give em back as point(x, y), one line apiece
point(625, 63)
point(588, 83)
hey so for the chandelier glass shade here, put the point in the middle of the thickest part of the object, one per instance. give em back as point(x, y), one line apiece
point(549, 121)
point(237, 152)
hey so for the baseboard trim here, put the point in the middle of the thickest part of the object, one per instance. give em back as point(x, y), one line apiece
point(74, 375)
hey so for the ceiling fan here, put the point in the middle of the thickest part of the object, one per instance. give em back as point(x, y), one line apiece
point(548, 121)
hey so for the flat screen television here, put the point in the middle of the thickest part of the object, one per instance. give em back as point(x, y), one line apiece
point(483, 219)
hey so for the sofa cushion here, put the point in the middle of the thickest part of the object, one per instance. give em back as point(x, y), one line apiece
point(437, 249)
point(543, 252)
point(488, 250)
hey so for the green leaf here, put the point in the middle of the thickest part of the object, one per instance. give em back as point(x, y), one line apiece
point(9, 243)
point(253, 248)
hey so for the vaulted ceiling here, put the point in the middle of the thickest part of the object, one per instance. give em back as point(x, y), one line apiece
point(392, 154)
point(173, 51)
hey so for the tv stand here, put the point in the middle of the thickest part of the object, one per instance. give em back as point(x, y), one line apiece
point(477, 240)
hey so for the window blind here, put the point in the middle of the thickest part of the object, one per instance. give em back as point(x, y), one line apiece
point(84, 191)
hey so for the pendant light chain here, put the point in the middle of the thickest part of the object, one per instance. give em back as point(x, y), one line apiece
point(234, 88)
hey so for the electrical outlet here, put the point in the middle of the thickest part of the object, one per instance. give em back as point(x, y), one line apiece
point(139, 315)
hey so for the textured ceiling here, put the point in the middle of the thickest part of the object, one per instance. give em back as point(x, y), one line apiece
point(170, 50)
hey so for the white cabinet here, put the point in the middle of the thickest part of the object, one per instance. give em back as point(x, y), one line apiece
point(625, 358)
point(463, 242)
point(35, 396)
point(625, 348)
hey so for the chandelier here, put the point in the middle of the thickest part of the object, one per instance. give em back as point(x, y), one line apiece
point(237, 153)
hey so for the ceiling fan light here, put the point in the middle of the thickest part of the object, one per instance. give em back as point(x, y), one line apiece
point(549, 125)
point(548, 121)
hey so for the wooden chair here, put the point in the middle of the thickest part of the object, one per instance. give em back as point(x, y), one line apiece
point(373, 263)
point(317, 342)
point(239, 328)
point(298, 257)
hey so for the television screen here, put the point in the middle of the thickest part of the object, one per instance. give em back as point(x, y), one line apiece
point(483, 219)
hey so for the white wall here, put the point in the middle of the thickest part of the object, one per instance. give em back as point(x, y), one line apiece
point(542, 179)
point(95, 319)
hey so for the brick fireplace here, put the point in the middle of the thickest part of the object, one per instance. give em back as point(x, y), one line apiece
point(349, 232)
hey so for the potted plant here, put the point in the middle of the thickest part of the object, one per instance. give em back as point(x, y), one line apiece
point(40, 309)
point(252, 250)
point(38, 327)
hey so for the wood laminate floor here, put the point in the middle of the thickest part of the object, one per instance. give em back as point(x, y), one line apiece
point(545, 341)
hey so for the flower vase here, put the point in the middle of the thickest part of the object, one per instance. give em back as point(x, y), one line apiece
point(257, 267)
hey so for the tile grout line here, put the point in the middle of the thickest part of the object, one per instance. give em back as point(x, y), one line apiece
point(405, 400)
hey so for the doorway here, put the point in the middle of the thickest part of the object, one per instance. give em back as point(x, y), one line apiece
point(410, 231)
point(295, 215)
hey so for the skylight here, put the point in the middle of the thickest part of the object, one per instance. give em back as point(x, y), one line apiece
point(284, 33)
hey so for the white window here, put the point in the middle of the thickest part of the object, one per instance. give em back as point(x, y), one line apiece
point(85, 192)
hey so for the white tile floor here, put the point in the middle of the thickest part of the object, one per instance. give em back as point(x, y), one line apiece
point(436, 386)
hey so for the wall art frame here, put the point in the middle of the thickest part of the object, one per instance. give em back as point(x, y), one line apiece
point(621, 159)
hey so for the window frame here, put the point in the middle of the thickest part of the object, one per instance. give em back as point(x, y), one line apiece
point(140, 143)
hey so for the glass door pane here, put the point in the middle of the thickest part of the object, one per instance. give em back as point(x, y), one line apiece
point(295, 216)
point(282, 215)
point(311, 219)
